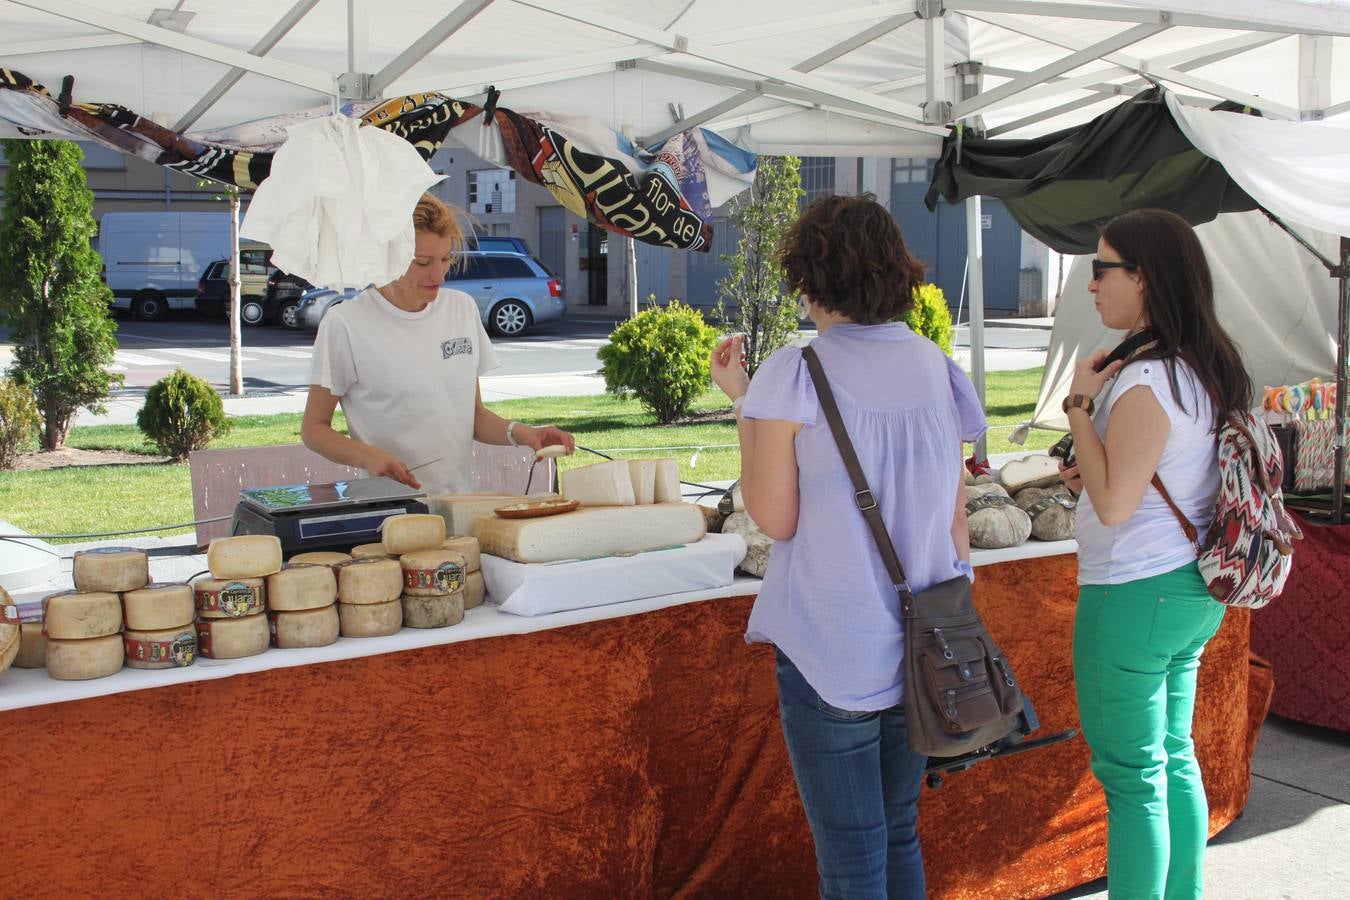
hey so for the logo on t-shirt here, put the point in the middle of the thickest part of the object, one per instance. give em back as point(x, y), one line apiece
point(456, 347)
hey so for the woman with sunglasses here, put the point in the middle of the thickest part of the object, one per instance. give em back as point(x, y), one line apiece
point(1144, 613)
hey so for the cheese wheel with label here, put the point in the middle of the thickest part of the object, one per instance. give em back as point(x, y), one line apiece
point(232, 638)
point(229, 598)
point(433, 612)
point(80, 615)
point(165, 648)
point(304, 628)
point(411, 532)
point(668, 488)
point(590, 532)
point(244, 556)
point(466, 547)
point(11, 630)
point(599, 484)
point(474, 590)
point(159, 606)
point(32, 646)
point(110, 569)
point(83, 659)
point(432, 573)
point(298, 587)
point(369, 551)
point(328, 558)
point(370, 619)
point(366, 581)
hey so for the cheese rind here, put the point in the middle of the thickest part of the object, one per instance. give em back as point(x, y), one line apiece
point(369, 551)
point(433, 612)
point(301, 586)
point(244, 556)
point(600, 484)
point(159, 606)
point(232, 638)
point(229, 598)
point(370, 620)
point(667, 488)
point(363, 582)
point(642, 472)
point(411, 532)
point(590, 532)
point(467, 547)
point(164, 648)
point(11, 630)
point(80, 615)
point(432, 573)
point(304, 628)
point(475, 589)
point(79, 660)
point(461, 511)
point(32, 646)
point(328, 558)
point(110, 569)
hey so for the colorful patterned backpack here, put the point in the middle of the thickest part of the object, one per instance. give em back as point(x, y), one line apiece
point(1250, 538)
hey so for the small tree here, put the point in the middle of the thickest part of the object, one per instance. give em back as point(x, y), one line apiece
point(51, 298)
point(930, 317)
point(182, 413)
point(18, 421)
point(766, 314)
point(661, 356)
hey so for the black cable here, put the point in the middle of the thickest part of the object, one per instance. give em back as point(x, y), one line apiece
point(19, 541)
point(94, 534)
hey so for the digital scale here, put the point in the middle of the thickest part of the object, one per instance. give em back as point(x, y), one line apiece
point(334, 516)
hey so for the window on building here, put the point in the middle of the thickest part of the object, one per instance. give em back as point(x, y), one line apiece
point(911, 171)
point(817, 178)
point(492, 191)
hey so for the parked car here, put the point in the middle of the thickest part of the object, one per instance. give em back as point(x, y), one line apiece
point(282, 300)
point(263, 297)
point(316, 302)
point(500, 242)
point(149, 258)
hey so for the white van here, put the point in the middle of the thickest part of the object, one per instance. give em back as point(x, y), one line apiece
point(152, 260)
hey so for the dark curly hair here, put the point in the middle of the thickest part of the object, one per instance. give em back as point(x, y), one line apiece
point(848, 256)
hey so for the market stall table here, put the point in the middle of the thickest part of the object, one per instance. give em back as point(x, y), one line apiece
point(622, 750)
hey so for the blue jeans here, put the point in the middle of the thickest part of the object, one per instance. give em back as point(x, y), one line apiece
point(859, 783)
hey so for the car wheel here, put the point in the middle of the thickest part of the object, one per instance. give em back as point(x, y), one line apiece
point(509, 318)
point(150, 306)
point(287, 313)
point(251, 311)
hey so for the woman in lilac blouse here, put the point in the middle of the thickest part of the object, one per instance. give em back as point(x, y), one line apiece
point(827, 604)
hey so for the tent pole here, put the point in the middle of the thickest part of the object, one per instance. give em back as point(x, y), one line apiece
point(975, 277)
point(1342, 338)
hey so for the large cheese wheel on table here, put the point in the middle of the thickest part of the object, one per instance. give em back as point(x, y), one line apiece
point(110, 569)
point(229, 598)
point(300, 586)
point(411, 532)
point(304, 628)
point(467, 547)
point(591, 531)
point(371, 619)
point(232, 638)
point(165, 648)
point(79, 660)
point(158, 606)
point(363, 582)
point(475, 589)
point(244, 556)
point(80, 615)
point(433, 612)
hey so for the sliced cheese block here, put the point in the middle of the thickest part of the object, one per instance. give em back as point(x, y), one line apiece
point(229, 598)
point(1033, 470)
point(232, 638)
point(301, 587)
point(78, 615)
point(461, 511)
point(304, 628)
point(432, 573)
point(32, 646)
point(89, 658)
point(369, 551)
point(158, 606)
point(244, 556)
point(600, 484)
point(466, 547)
point(412, 531)
point(370, 620)
point(321, 558)
point(591, 532)
point(362, 582)
point(667, 481)
point(433, 612)
point(475, 589)
point(166, 648)
point(642, 472)
point(110, 569)
point(11, 630)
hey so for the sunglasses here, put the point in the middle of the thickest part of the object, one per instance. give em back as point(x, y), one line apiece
point(1099, 267)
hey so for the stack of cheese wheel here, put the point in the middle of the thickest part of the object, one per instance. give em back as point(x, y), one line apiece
point(231, 604)
point(160, 632)
point(302, 606)
point(83, 627)
point(433, 577)
point(10, 630)
point(330, 558)
point(368, 597)
point(474, 588)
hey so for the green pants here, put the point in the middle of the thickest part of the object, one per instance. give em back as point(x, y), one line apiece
point(1136, 650)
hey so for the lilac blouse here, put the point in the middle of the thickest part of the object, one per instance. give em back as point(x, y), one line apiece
point(826, 600)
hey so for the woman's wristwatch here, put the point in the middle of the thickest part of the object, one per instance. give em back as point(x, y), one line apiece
point(1081, 401)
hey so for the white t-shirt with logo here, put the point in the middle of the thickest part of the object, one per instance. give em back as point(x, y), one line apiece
point(408, 381)
point(1151, 541)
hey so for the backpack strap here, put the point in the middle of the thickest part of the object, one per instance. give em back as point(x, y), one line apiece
point(1186, 527)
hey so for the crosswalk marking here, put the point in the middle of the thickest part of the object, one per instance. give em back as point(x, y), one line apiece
point(279, 351)
point(133, 359)
point(198, 354)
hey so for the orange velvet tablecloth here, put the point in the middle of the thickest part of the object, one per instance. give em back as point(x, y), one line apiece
point(632, 757)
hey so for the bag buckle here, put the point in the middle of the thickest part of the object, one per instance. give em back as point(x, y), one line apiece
point(870, 502)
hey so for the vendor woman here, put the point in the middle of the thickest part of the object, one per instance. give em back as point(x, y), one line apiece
point(404, 359)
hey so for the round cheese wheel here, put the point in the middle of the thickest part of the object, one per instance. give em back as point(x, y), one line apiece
point(432, 573)
point(301, 586)
point(474, 590)
point(304, 628)
point(369, 551)
point(232, 638)
point(110, 569)
point(321, 558)
point(89, 658)
point(433, 612)
point(158, 606)
point(370, 619)
point(367, 581)
point(244, 556)
point(229, 598)
point(411, 531)
point(10, 630)
point(466, 547)
point(79, 615)
point(162, 648)
point(32, 646)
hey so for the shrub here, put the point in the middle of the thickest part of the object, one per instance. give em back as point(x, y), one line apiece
point(661, 357)
point(930, 316)
point(182, 413)
point(18, 420)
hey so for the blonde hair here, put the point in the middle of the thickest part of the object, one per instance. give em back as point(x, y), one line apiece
point(433, 215)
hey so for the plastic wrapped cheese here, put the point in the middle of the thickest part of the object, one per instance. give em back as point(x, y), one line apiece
point(370, 620)
point(79, 615)
point(232, 638)
point(79, 660)
point(590, 532)
point(158, 606)
point(304, 628)
point(301, 586)
point(229, 598)
point(410, 532)
point(600, 484)
point(433, 612)
point(363, 582)
point(166, 648)
point(244, 556)
point(110, 569)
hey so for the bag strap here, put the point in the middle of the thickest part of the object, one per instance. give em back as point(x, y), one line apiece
point(1186, 527)
point(863, 496)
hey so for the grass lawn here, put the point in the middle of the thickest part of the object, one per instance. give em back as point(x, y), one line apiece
point(114, 498)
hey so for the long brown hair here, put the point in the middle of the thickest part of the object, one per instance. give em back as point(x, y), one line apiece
point(1179, 303)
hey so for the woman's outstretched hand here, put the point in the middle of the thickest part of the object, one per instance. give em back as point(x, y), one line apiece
point(728, 366)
